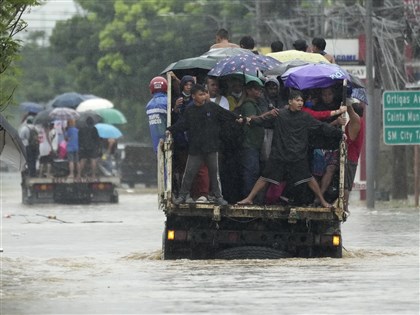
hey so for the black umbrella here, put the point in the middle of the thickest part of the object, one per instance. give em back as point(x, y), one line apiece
point(81, 121)
point(12, 150)
point(43, 117)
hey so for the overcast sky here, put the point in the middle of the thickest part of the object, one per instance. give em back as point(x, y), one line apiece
point(44, 17)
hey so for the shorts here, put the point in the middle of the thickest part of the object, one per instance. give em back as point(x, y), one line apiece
point(351, 168)
point(296, 172)
point(331, 157)
point(73, 156)
point(88, 154)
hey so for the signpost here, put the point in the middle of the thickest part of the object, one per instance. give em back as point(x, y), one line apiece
point(401, 117)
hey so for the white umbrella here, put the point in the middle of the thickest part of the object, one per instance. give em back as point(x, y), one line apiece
point(12, 150)
point(63, 113)
point(93, 104)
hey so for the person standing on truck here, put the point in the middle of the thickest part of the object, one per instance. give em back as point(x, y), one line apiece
point(301, 45)
point(289, 153)
point(254, 137)
point(318, 47)
point(247, 42)
point(355, 132)
point(222, 40)
point(156, 109)
point(72, 138)
point(29, 136)
point(89, 146)
point(180, 100)
point(276, 46)
point(202, 122)
point(46, 152)
point(330, 157)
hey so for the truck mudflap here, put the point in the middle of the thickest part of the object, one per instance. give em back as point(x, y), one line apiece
point(63, 190)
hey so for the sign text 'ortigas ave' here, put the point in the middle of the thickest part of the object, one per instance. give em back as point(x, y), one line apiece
point(401, 117)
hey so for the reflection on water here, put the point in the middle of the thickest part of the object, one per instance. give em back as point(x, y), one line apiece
point(63, 259)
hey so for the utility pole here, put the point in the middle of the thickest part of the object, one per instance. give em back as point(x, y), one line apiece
point(257, 22)
point(370, 129)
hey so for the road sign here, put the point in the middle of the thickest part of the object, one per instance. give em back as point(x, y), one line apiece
point(401, 117)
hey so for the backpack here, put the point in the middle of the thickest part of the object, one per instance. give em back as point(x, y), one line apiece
point(33, 140)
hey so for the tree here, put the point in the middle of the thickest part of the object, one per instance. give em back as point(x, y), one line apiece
point(10, 25)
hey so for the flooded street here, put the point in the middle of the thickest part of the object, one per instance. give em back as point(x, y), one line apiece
point(105, 259)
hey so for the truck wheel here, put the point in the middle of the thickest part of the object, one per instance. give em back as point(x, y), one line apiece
point(251, 252)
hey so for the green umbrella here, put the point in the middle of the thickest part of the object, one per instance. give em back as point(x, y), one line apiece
point(111, 116)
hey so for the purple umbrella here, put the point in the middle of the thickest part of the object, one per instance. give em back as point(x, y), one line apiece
point(311, 76)
point(247, 63)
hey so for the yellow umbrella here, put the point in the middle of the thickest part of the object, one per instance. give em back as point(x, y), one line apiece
point(287, 55)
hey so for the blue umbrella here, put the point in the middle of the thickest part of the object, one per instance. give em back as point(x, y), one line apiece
point(70, 100)
point(108, 131)
point(247, 63)
point(30, 107)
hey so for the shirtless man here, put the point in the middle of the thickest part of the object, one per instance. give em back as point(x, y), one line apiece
point(222, 40)
point(318, 46)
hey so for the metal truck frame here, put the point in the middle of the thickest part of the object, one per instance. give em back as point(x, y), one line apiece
point(210, 231)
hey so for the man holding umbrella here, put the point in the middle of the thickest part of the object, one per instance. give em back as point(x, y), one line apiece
point(29, 136)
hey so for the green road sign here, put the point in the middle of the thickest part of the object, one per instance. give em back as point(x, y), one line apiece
point(401, 117)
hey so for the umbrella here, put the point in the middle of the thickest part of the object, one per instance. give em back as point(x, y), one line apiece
point(43, 117)
point(360, 94)
point(63, 113)
point(193, 64)
point(317, 75)
point(81, 121)
point(248, 63)
point(203, 63)
point(70, 100)
point(111, 116)
point(12, 150)
point(288, 55)
point(30, 107)
point(94, 103)
point(284, 66)
point(108, 131)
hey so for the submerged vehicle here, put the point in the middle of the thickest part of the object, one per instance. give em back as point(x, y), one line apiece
point(61, 189)
point(260, 231)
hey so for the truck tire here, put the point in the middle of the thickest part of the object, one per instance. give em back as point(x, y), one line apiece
point(251, 252)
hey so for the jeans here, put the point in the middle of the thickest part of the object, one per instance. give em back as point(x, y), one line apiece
point(250, 166)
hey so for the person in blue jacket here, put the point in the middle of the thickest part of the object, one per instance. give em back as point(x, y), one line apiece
point(156, 109)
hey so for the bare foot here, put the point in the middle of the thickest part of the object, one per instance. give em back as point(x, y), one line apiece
point(244, 202)
point(325, 204)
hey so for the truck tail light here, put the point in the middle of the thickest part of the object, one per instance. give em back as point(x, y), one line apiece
point(336, 240)
point(178, 235)
point(43, 187)
point(101, 186)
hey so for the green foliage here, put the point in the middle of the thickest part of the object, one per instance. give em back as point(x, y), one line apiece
point(10, 25)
